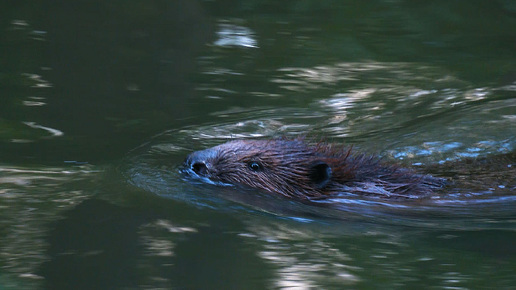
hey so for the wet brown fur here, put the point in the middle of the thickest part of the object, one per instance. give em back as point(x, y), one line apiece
point(297, 169)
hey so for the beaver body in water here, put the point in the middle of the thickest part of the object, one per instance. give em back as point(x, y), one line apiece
point(299, 170)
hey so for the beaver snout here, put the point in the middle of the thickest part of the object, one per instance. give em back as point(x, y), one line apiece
point(200, 161)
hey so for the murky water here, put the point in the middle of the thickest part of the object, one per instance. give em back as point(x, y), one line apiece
point(101, 102)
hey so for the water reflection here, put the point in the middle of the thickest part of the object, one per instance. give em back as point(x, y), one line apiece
point(379, 73)
point(303, 258)
point(54, 132)
point(34, 102)
point(30, 199)
point(259, 129)
point(37, 80)
point(235, 35)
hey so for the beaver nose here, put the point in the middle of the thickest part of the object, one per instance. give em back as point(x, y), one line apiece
point(199, 161)
point(199, 168)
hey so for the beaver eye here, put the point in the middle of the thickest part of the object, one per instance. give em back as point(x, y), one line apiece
point(255, 166)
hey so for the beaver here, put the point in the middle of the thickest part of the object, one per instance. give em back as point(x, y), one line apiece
point(300, 170)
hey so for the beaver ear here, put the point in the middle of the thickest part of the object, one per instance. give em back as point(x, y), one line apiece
point(320, 173)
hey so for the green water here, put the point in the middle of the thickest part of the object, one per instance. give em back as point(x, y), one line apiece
point(100, 102)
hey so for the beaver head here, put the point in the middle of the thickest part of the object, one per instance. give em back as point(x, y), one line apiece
point(296, 169)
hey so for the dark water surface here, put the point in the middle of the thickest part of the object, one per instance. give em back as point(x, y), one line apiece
point(100, 101)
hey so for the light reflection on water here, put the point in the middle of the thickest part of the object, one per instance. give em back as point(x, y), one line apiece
point(235, 35)
point(30, 199)
point(402, 105)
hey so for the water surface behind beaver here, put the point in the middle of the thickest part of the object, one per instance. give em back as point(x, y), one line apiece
point(101, 101)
